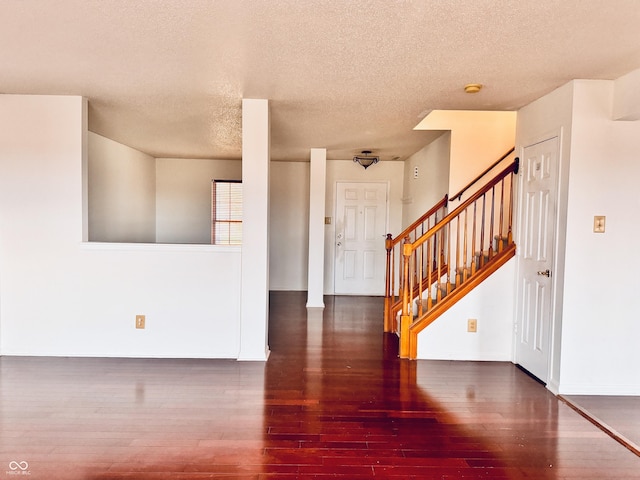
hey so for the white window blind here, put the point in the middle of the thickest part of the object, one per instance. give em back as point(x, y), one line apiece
point(226, 212)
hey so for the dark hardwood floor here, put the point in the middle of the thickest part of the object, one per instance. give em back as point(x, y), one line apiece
point(333, 401)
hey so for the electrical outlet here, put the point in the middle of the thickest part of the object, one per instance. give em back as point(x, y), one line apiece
point(140, 319)
point(472, 325)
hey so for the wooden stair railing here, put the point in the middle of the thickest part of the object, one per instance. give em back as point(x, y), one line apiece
point(472, 241)
point(394, 278)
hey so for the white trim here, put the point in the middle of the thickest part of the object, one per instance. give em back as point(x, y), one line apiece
point(168, 247)
point(590, 389)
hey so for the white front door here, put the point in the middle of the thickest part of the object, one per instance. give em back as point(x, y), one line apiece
point(535, 256)
point(360, 255)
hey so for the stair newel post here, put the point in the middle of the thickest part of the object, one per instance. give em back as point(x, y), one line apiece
point(395, 276)
point(388, 288)
point(407, 311)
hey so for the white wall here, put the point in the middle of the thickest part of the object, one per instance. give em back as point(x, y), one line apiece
point(447, 338)
point(626, 97)
point(183, 197)
point(348, 171)
point(478, 138)
point(432, 184)
point(289, 226)
point(601, 333)
point(59, 296)
point(122, 192)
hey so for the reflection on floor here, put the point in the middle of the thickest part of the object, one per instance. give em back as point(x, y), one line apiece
point(618, 416)
point(333, 401)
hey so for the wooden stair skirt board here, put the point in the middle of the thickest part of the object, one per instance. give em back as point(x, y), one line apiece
point(409, 346)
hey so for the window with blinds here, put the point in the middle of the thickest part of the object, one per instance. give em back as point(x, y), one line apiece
point(226, 212)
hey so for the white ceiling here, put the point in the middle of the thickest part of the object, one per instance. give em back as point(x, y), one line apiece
point(167, 76)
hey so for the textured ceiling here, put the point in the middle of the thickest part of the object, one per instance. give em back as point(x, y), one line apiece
point(167, 76)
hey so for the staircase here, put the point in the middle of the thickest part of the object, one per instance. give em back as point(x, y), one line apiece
point(444, 254)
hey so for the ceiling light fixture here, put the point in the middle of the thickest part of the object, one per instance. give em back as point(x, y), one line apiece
point(473, 87)
point(365, 160)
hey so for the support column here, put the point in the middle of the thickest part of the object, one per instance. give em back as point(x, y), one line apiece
point(317, 180)
point(254, 305)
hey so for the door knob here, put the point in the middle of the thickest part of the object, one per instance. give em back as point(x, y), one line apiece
point(545, 273)
point(339, 244)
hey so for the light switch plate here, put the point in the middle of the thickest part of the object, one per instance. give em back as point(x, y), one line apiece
point(598, 224)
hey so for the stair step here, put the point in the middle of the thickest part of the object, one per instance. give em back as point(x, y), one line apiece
point(434, 296)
